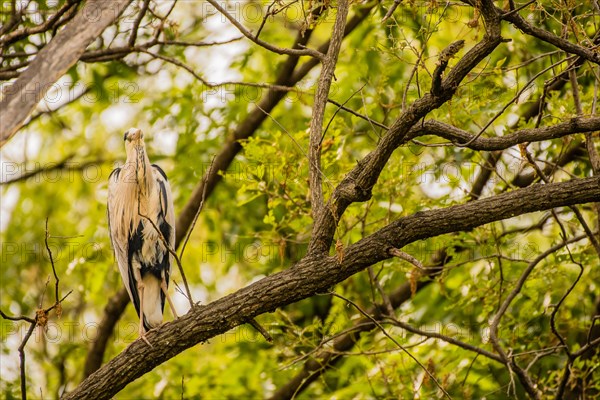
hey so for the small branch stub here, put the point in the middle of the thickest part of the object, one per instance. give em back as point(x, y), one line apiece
point(444, 57)
point(406, 257)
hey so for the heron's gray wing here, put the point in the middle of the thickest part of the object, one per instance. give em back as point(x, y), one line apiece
point(166, 214)
point(118, 242)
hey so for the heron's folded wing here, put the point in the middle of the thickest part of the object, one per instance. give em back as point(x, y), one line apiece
point(166, 202)
point(119, 243)
point(166, 220)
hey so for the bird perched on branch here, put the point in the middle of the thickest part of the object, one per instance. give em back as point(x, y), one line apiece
point(142, 224)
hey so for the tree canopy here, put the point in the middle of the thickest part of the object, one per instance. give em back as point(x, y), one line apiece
point(394, 199)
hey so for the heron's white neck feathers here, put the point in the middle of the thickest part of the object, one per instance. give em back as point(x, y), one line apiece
point(138, 190)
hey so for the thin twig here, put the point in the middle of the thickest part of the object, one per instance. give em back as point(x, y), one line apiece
point(262, 43)
point(384, 297)
point(175, 256)
point(51, 262)
point(516, 10)
point(357, 114)
point(261, 330)
point(294, 141)
point(136, 23)
point(53, 306)
point(445, 338)
point(19, 318)
point(523, 376)
point(340, 107)
point(407, 257)
point(204, 186)
point(391, 10)
point(22, 359)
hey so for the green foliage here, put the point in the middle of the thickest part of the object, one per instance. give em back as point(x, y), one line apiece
point(258, 220)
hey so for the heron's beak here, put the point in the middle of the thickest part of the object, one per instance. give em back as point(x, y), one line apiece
point(134, 135)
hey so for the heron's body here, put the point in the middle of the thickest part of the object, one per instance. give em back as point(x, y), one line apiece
point(139, 193)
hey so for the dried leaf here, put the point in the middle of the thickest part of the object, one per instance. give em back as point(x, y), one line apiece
point(523, 149)
point(339, 250)
point(42, 318)
point(412, 280)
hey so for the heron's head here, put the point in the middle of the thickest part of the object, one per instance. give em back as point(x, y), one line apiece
point(134, 143)
point(133, 135)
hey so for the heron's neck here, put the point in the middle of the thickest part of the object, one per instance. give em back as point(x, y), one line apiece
point(141, 170)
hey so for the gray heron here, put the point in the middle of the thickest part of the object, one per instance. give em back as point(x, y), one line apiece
point(140, 211)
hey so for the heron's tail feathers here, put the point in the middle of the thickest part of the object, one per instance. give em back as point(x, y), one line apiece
point(153, 308)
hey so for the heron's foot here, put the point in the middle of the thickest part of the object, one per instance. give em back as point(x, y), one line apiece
point(143, 337)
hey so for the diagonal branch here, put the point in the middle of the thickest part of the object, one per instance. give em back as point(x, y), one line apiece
point(313, 275)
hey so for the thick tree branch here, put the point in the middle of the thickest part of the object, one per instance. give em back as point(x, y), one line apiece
point(316, 274)
point(326, 359)
point(459, 136)
point(53, 61)
point(320, 102)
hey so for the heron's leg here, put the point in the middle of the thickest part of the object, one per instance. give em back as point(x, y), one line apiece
point(142, 332)
point(163, 286)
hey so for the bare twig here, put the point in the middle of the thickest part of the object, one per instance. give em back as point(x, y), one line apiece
point(262, 43)
point(261, 330)
point(340, 107)
point(391, 10)
point(136, 23)
point(19, 318)
point(204, 186)
point(40, 319)
point(567, 369)
point(384, 297)
point(51, 262)
point(22, 358)
point(357, 114)
point(175, 256)
point(407, 257)
point(515, 98)
point(445, 338)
